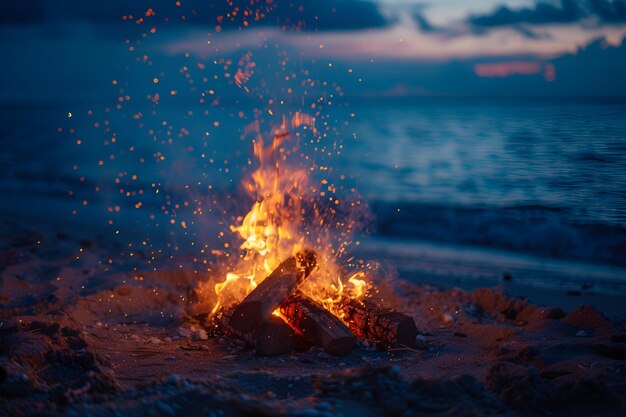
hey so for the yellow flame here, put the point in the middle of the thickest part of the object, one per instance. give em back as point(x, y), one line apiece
point(278, 225)
point(335, 295)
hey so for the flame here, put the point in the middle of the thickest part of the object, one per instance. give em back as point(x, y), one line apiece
point(334, 297)
point(284, 218)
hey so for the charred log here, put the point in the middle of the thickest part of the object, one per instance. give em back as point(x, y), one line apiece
point(271, 338)
point(317, 325)
point(258, 306)
point(385, 328)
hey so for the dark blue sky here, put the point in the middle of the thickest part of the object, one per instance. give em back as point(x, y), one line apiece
point(74, 49)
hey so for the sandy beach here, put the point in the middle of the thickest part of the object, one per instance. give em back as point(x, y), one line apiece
point(82, 336)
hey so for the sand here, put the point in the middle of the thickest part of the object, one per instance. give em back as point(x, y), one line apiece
point(82, 336)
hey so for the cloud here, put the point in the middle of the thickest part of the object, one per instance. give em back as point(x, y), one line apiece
point(307, 15)
point(21, 12)
point(332, 14)
point(609, 11)
point(544, 13)
point(456, 30)
point(507, 68)
point(449, 31)
point(567, 11)
point(424, 24)
point(530, 33)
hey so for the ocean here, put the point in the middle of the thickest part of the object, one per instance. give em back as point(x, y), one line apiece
point(473, 184)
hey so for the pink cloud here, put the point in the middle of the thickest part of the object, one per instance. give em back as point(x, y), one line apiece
point(506, 69)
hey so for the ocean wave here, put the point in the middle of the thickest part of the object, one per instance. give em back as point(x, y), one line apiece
point(539, 230)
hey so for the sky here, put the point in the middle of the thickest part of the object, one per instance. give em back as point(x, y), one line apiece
point(545, 47)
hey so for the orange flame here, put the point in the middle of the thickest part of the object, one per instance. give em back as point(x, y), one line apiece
point(278, 225)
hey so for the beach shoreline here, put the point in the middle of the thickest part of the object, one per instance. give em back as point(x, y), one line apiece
point(83, 337)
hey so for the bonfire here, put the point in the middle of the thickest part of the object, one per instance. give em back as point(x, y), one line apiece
point(289, 286)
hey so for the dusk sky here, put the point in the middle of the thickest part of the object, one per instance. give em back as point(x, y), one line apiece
point(70, 48)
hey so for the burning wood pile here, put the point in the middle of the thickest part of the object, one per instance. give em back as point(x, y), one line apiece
point(275, 316)
point(277, 295)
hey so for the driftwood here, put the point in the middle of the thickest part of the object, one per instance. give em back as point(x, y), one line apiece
point(258, 306)
point(271, 338)
point(385, 328)
point(317, 325)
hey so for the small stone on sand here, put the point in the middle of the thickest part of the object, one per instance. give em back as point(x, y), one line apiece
point(184, 332)
point(200, 334)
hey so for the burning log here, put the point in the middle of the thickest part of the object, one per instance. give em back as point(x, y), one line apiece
point(317, 325)
point(258, 306)
point(384, 327)
point(271, 338)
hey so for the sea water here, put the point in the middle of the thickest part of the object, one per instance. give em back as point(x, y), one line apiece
point(540, 177)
